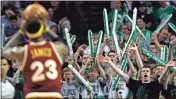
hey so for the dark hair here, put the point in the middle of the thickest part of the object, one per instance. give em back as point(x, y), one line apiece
point(164, 43)
point(146, 63)
point(173, 59)
point(146, 67)
point(56, 29)
point(8, 61)
point(142, 5)
point(141, 19)
point(160, 66)
point(111, 51)
point(13, 17)
point(173, 34)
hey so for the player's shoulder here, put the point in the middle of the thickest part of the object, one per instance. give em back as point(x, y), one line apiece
point(58, 42)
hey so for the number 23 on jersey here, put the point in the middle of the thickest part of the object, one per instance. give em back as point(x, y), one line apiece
point(39, 75)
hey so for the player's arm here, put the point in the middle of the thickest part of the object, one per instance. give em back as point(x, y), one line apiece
point(61, 48)
point(14, 52)
point(11, 50)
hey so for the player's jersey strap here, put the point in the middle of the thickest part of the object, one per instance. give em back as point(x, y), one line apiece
point(44, 95)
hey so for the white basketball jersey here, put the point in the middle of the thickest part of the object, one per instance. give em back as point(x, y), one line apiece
point(70, 90)
point(123, 90)
point(98, 93)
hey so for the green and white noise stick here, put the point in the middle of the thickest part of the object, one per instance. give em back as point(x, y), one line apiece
point(3, 37)
point(98, 43)
point(162, 24)
point(73, 38)
point(172, 26)
point(164, 53)
point(133, 32)
point(136, 26)
point(114, 36)
point(105, 19)
point(91, 46)
point(86, 84)
point(153, 56)
point(69, 42)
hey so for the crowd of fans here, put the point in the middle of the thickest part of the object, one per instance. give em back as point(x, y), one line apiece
point(143, 76)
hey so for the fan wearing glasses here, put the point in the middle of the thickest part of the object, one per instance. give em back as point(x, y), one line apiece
point(114, 58)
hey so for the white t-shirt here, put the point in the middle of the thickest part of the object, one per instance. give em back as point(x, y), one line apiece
point(51, 23)
point(8, 90)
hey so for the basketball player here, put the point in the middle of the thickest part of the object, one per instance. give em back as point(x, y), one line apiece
point(40, 60)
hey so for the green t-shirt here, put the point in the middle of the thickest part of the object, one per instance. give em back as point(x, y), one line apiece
point(19, 94)
point(147, 34)
point(120, 35)
point(163, 12)
point(119, 18)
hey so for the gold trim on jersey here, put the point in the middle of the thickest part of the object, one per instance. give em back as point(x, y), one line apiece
point(37, 43)
point(57, 53)
point(25, 57)
point(43, 95)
